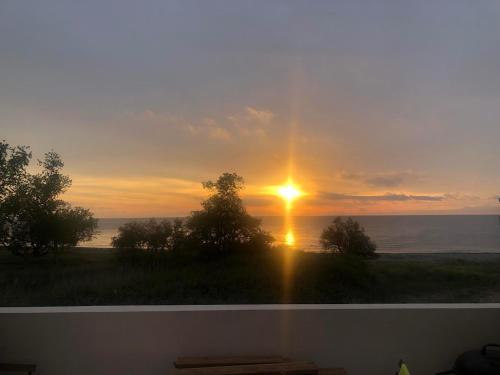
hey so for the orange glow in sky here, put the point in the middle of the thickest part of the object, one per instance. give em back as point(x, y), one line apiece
point(140, 127)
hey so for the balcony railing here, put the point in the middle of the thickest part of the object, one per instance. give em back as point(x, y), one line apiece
point(364, 339)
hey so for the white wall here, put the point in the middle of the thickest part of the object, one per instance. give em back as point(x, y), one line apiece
point(365, 339)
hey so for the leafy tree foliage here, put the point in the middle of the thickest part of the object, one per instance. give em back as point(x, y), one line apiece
point(347, 237)
point(33, 220)
point(131, 235)
point(179, 235)
point(158, 234)
point(223, 224)
point(13, 163)
point(152, 235)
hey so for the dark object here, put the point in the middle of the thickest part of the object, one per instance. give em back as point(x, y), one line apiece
point(478, 362)
point(286, 368)
point(17, 367)
point(194, 362)
point(249, 365)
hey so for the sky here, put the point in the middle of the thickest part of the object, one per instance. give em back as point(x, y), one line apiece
point(383, 107)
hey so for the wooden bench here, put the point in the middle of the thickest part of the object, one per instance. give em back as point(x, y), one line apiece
point(332, 371)
point(249, 365)
point(286, 368)
point(17, 367)
point(194, 362)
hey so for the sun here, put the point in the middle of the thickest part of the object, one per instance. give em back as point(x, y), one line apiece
point(289, 192)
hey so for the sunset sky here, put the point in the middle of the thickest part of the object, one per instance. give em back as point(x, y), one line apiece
point(371, 107)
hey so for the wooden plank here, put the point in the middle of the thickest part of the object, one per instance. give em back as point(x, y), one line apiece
point(17, 367)
point(332, 371)
point(195, 362)
point(288, 368)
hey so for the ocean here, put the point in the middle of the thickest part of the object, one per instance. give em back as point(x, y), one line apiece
point(391, 234)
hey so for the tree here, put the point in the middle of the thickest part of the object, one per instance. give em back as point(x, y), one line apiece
point(158, 234)
point(348, 238)
point(152, 235)
point(179, 235)
point(32, 217)
point(223, 224)
point(71, 226)
point(13, 163)
point(131, 235)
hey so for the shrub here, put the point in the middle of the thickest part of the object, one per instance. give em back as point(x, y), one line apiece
point(152, 235)
point(131, 235)
point(347, 237)
point(157, 234)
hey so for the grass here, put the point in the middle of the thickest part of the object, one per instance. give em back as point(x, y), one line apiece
point(110, 277)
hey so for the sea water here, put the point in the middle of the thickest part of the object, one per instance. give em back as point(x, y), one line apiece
point(393, 234)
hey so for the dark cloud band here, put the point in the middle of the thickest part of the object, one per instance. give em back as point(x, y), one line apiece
point(386, 197)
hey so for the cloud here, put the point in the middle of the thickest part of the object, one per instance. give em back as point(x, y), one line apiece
point(251, 122)
point(150, 115)
point(390, 197)
point(260, 115)
point(247, 123)
point(382, 179)
point(208, 127)
point(385, 181)
point(461, 197)
point(219, 133)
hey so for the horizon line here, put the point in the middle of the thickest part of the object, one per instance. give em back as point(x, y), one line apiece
point(331, 215)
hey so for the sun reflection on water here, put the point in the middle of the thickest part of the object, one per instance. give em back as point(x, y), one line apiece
point(289, 192)
point(290, 238)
